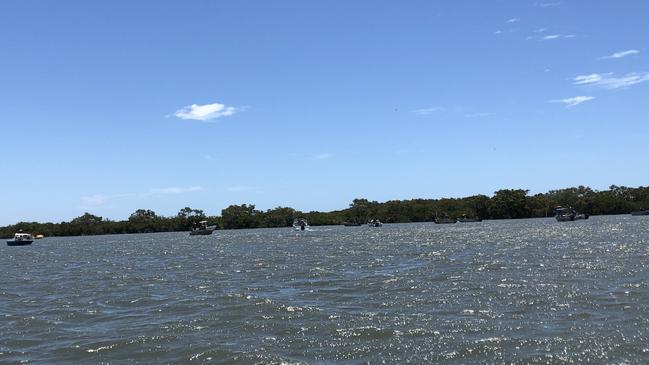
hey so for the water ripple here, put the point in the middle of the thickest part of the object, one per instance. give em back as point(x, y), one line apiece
point(525, 291)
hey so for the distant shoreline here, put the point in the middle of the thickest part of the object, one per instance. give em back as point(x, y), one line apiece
point(504, 204)
point(323, 225)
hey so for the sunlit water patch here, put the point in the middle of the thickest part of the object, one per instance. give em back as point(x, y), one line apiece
point(526, 291)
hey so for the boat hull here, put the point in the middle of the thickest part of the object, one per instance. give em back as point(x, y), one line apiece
point(18, 243)
point(445, 221)
point(640, 212)
point(469, 220)
point(201, 232)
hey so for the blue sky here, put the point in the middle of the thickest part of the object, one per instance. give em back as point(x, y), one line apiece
point(108, 107)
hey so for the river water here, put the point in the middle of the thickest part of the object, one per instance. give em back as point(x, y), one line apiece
point(513, 291)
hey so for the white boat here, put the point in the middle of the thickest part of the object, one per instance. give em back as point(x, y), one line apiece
point(202, 229)
point(21, 239)
point(300, 224)
point(375, 223)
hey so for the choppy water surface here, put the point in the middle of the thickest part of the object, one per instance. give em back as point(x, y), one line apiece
point(526, 291)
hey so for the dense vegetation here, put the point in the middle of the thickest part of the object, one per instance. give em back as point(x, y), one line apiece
point(507, 203)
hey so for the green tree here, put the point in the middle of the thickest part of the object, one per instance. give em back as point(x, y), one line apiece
point(188, 217)
point(143, 215)
point(240, 216)
point(279, 217)
point(509, 203)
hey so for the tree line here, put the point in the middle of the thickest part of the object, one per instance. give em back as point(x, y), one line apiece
point(504, 204)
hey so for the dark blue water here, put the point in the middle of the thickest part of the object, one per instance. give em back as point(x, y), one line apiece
point(524, 291)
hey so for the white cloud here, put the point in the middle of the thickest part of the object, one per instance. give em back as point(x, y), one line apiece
point(172, 190)
point(588, 79)
point(101, 199)
point(240, 188)
point(574, 101)
point(513, 20)
point(426, 111)
point(478, 115)
point(609, 81)
point(620, 54)
point(206, 111)
point(323, 156)
point(539, 30)
point(548, 5)
point(550, 37)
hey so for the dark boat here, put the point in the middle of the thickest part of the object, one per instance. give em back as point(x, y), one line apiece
point(445, 220)
point(202, 229)
point(465, 219)
point(21, 239)
point(568, 215)
point(642, 211)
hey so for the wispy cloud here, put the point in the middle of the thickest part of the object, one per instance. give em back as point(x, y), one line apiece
point(547, 5)
point(478, 115)
point(206, 111)
point(574, 101)
point(513, 20)
point(610, 81)
point(551, 37)
point(620, 54)
point(101, 199)
point(239, 188)
point(323, 156)
point(427, 111)
point(172, 190)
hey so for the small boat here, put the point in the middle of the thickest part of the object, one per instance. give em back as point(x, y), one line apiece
point(445, 220)
point(375, 223)
point(39, 236)
point(202, 229)
point(21, 239)
point(465, 219)
point(564, 214)
point(300, 224)
point(642, 211)
point(568, 214)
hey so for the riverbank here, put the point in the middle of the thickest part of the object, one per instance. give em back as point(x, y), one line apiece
point(504, 204)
